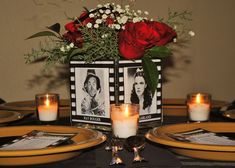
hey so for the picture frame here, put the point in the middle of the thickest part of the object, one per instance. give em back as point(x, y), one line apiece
point(115, 84)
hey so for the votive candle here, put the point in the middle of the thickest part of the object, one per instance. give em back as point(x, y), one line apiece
point(47, 106)
point(125, 119)
point(198, 106)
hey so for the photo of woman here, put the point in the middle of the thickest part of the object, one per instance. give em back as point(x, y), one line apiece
point(140, 93)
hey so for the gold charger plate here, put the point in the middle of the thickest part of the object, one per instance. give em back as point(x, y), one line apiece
point(84, 138)
point(29, 105)
point(211, 152)
point(9, 116)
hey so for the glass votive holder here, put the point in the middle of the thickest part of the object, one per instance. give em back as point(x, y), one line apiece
point(47, 107)
point(198, 105)
point(124, 119)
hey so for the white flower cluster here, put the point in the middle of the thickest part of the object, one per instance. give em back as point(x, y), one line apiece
point(66, 47)
point(117, 15)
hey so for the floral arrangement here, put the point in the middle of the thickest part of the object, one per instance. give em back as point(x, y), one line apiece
point(111, 32)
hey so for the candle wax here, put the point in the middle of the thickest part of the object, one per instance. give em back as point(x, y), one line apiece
point(124, 125)
point(48, 112)
point(199, 111)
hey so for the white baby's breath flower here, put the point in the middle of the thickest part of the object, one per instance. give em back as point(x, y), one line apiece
point(134, 13)
point(175, 27)
point(191, 33)
point(91, 15)
point(104, 36)
point(96, 26)
point(107, 11)
point(151, 19)
point(118, 6)
point(137, 19)
point(101, 11)
point(146, 12)
point(104, 16)
point(98, 21)
point(117, 26)
point(124, 19)
point(68, 47)
point(106, 5)
point(71, 45)
point(112, 26)
point(127, 6)
point(119, 10)
point(175, 40)
point(62, 49)
point(139, 11)
point(99, 6)
point(89, 25)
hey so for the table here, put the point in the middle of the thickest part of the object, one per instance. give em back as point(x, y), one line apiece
point(164, 158)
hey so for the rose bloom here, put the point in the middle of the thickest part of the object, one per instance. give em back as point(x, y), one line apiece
point(139, 36)
point(73, 35)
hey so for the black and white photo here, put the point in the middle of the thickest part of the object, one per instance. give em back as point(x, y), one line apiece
point(137, 91)
point(93, 94)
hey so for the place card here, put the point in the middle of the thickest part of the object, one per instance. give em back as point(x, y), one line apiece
point(37, 140)
point(201, 136)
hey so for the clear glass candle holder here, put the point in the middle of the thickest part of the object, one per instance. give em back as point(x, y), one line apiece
point(199, 106)
point(47, 107)
point(124, 119)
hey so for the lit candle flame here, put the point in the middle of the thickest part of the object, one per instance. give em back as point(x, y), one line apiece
point(47, 102)
point(198, 98)
point(126, 111)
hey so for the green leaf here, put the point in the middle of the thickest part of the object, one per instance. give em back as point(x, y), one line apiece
point(55, 27)
point(159, 52)
point(151, 73)
point(75, 52)
point(41, 34)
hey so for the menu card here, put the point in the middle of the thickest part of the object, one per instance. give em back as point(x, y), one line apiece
point(202, 136)
point(37, 140)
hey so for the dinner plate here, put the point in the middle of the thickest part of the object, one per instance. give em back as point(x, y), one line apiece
point(161, 135)
point(30, 105)
point(9, 116)
point(229, 114)
point(83, 139)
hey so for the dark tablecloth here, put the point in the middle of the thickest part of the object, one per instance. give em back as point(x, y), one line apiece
point(158, 156)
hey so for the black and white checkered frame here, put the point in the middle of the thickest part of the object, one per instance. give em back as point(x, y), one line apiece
point(156, 116)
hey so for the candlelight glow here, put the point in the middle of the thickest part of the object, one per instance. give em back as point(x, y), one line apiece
point(126, 111)
point(47, 102)
point(198, 98)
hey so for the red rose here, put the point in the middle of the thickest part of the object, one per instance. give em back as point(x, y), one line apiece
point(109, 21)
point(74, 37)
point(137, 37)
point(71, 27)
point(166, 33)
point(84, 19)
